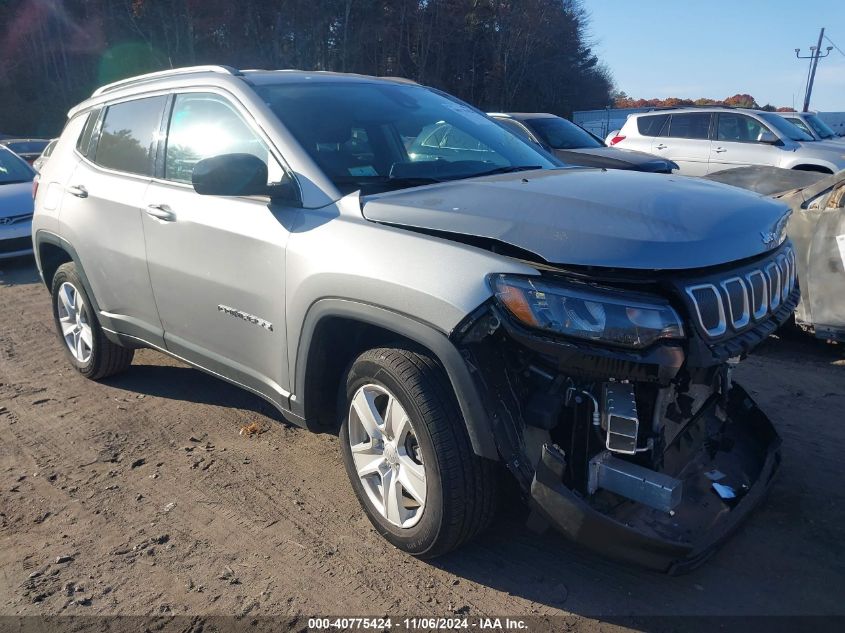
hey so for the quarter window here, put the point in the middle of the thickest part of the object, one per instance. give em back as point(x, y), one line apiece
point(83, 144)
point(517, 129)
point(204, 125)
point(651, 125)
point(693, 126)
point(128, 137)
point(740, 128)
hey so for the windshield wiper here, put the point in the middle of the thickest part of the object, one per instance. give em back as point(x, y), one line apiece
point(499, 170)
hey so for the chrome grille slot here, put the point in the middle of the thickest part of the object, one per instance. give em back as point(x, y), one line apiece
point(749, 294)
point(709, 308)
point(759, 291)
point(783, 266)
point(738, 302)
point(773, 275)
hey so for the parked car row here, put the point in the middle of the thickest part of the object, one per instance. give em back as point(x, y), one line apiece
point(707, 140)
point(576, 146)
point(27, 148)
point(382, 260)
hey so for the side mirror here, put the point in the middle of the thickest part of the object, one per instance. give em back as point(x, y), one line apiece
point(238, 175)
point(768, 137)
point(230, 175)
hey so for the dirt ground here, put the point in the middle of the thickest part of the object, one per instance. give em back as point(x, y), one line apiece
point(138, 495)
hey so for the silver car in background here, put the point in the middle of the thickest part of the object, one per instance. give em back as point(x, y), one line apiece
point(707, 140)
point(810, 123)
point(15, 205)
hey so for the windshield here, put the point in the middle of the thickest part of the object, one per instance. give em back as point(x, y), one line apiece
point(562, 134)
point(785, 128)
point(13, 169)
point(27, 147)
point(820, 127)
point(380, 136)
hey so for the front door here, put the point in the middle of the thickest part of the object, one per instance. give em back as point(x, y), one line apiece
point(737, 143)
point(217, 264)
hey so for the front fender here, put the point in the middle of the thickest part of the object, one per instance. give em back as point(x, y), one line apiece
point(467, 394)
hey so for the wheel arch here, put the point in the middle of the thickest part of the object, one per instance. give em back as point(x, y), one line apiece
point(335, 331)
point(813, 167)
point(51, 251)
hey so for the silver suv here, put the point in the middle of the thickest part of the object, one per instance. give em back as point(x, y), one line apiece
point(707, 140)
point(450, 314)
point(810, 123)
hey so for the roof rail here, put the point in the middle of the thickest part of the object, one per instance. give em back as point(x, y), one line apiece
point(228, 70)
point(694, 106)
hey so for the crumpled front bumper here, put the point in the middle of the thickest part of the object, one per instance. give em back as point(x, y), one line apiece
point(747, 454)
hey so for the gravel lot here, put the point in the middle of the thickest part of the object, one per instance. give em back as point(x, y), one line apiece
point(138, 496)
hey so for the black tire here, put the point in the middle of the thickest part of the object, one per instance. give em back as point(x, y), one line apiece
point(106, 358)
point(461, 488)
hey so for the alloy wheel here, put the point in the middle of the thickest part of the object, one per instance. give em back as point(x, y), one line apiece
point(73, 320)
point(387, 456)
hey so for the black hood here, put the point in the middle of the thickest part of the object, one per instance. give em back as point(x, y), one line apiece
point(587, 217)
point(612, 158)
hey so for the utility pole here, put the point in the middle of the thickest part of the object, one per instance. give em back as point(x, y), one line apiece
point(814, 57)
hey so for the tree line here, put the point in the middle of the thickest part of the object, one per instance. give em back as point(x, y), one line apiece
point(742, 100)
point(523, 55)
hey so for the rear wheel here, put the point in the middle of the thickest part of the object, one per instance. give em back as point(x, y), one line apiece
point(87, 348)
point(408, 455)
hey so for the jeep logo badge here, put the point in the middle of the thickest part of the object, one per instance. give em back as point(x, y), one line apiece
point(768, 238)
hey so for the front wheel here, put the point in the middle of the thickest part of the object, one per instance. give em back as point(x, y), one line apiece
point(89, 351)
point(408, 455)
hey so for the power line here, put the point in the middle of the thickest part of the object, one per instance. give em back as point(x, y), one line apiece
point(834, 45)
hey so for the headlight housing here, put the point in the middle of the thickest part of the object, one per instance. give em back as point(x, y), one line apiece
point(585, 312)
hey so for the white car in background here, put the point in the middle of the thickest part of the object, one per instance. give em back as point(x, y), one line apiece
point(38, 163)
point(707, 140)
point(810, 123)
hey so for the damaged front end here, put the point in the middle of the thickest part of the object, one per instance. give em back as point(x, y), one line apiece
point(632, 439)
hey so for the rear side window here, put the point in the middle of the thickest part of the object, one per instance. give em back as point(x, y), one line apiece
point(695, 126)
point(651, 125)
point(83, 143)
point(128, 136)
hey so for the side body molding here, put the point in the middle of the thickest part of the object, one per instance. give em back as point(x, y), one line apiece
point(468, 397)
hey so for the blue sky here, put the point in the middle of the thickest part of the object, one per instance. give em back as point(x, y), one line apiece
point(719, 48)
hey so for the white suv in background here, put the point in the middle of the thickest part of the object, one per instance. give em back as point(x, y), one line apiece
point(810, 123)
point(706, 140)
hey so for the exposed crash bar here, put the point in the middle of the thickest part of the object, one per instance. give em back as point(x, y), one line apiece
point(634, 482)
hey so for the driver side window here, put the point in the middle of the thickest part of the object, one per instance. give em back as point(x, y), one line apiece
point(739, 128)
point(203, 125)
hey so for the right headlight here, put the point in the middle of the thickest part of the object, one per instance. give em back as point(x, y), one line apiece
point(596, 314)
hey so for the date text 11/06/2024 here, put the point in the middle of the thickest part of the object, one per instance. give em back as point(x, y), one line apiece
point(414, 624)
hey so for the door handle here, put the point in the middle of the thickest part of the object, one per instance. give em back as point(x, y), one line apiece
point(719, 150)
point(661, 146)
point(77, 190)
point(160, 212)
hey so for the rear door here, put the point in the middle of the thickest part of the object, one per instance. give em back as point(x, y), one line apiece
point(217, 264)
point(685, 139)
point(737, 143)
point(101, 212)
